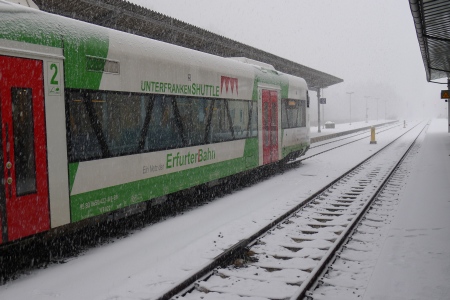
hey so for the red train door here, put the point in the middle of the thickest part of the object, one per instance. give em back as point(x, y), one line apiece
point(24, 193)
point(270, 126)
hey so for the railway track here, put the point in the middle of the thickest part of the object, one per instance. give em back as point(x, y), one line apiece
point(349, 136)
point(341, 145)
point(288, 258)
point(352, 266)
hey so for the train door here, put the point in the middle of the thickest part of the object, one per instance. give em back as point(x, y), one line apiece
point(270, 125)
point(24, 193)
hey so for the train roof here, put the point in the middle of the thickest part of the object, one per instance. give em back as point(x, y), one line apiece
point(84, 42)
point(128, 17)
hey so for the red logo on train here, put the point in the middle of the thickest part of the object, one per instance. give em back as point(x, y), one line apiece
point(229, 83)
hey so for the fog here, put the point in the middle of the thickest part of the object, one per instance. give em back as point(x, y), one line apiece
point(371, 45)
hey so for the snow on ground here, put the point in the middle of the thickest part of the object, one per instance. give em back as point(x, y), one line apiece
point(344, 127)
point(415, 259)
point(150, 261)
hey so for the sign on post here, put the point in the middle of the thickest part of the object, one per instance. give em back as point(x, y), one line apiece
point(323, 100)
point(445, 94)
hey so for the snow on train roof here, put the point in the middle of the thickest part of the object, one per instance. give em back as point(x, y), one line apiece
point(43, 28)
point(253, 62)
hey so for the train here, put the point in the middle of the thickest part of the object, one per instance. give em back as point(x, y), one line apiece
point(98, 122)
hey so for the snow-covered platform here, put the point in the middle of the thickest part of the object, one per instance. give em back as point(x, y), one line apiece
point(343, 129)
point(414, 262)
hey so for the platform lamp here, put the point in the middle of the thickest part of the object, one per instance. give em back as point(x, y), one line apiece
point(350, 94)
point(367, 110)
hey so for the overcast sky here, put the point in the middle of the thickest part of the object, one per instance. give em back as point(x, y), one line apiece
point(372, 45)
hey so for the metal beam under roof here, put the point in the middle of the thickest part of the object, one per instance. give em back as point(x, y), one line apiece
point(432, 22)
point(124, 16)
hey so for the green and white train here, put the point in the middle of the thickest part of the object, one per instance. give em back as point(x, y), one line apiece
point(97, 121)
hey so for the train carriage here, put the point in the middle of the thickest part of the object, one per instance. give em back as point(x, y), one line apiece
point(95, 121)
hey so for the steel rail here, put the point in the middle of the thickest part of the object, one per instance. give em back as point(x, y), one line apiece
point(240, 248)
point(351, 136)
point(308, 157)
point(331, 253)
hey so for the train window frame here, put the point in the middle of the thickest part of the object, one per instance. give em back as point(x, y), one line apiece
point(291, 119)
point(23, 141)
point(98, 143)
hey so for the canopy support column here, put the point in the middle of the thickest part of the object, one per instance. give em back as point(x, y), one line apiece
point(448, 106)
point(318, 109)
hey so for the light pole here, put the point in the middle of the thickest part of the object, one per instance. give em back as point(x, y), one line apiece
point(377, 108)
point(367, 110)
point(350, 93)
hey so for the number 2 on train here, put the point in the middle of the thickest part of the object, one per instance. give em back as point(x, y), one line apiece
point(53, 75)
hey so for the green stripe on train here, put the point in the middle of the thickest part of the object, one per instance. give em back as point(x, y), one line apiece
point(78, 40)
point(108, 199)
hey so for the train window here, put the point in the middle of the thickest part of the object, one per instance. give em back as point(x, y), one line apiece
point(239, 109)
point(193, 118)
point(253, 119)
point(122, 121)
point(293, 113)
point(107, 124)
point(302, 114)
point(232, 120)
point(162, 131)
point(83, 143)
point(24, 160)
point(103, 124)
point(220, 128)
point(274, 125)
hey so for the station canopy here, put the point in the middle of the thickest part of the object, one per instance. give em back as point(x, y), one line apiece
point(124, 16)
point(432, 22)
